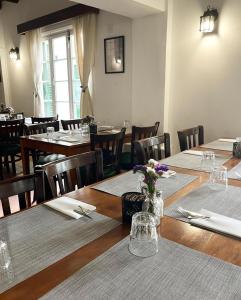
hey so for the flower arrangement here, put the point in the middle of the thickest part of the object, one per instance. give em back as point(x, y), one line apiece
point(152, 171)
point(6, 109)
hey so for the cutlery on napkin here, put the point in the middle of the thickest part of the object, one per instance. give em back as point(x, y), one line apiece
point(168, 174)
point(227, 140)
point(193, 152)
point(191, 214)
point(67, 206)
point(218, 223)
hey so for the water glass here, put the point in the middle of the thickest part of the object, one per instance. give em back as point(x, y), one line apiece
point(50, 132)
point(127, 124)
point(218, 178)
point(143, 235)
point(5, 259)
point(208, 161)
point(85, 130)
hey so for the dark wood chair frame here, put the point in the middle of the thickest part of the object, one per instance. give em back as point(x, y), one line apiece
point(187, 137)
point(10, 132)
point(76, 123)
point(67, 172)
point(139, 133)
point(111, 144)
point(37, 129)
point(44, 119)
point(21, 186)
point(146, 149)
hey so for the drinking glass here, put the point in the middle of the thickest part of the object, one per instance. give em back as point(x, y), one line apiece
point(50, 132)
point(127, 124)
point(85, 130)
point(5, 259)
point(208, 161)
point(143, 235)
point(19, 116)
point(218, 178)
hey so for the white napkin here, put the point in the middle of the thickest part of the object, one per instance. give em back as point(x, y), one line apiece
point(227, 140)
point(193, 152)
point(71, 139)
point(67, 205)
point(219, 223)
point(168, 174)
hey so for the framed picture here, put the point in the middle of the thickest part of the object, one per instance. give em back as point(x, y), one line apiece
point(115, 55)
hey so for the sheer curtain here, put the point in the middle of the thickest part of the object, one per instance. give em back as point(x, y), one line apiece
point(34, 47)
point(85, 35)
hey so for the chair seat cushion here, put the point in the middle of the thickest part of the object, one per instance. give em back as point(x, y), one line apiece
point(11, 149)
point(49, 158)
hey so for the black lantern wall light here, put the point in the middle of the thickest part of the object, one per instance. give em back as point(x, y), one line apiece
point(207, 21)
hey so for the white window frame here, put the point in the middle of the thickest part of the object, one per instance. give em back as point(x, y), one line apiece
point(67, 32)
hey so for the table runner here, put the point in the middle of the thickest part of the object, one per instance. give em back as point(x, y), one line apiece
point(190, 161)
point(219, 145)
point(129, 182)
point(175, 272)
point(235, 172)
point(222, 202)
point(40, 236)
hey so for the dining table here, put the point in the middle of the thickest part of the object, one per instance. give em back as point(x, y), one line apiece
point(64, 142)
point(223, 247)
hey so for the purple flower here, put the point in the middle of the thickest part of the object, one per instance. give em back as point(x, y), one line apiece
point(161, 168)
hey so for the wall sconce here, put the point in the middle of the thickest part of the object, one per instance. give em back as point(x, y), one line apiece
point(14, 53)
point(207, 21)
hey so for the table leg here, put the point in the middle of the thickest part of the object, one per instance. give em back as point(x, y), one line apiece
point(25, 159)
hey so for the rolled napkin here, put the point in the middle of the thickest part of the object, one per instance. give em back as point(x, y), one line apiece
point(227, 140)
point(193, 152)
point(218, 223)
point(67, 205)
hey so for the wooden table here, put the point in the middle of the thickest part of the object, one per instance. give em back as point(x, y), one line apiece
point(52, 146)
point(217, 245)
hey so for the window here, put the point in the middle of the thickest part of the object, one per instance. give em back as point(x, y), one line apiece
point(60, 78)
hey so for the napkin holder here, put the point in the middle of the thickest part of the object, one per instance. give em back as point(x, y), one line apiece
point(131, 203)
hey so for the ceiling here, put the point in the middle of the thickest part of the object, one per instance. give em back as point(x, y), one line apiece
point(129, 8)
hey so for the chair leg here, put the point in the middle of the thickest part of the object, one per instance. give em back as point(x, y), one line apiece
point(1, 168)
point(13, 164)
point(6, 163)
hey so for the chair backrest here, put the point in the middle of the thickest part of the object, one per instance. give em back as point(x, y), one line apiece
point(191, 137)
point(19, 186)
point(157, 147)
point(40, 127)
point(139, 133)
point(15, 115)
point(111, 145)
point(43, 119)
point(10, 131)
point(87, 167)
point(72, 124)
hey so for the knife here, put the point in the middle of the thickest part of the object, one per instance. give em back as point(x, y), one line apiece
point(82, 213)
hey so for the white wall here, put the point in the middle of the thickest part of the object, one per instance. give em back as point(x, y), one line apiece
point(203, 71)
point(112, 92)
point(148, 77)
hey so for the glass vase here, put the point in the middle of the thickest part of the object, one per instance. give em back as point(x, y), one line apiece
point(153, 204)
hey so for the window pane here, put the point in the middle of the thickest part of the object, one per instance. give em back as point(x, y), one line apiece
point(59, 48)
point(46, 72)
point(60, 70)
point(47, 91)
point(45, 50)
point(48, 109)
point(75, 71)
point(76, 109)
point(62, 91)
point(62, 109)
point(76, 91)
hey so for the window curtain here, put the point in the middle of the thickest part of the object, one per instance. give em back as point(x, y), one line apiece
point(33, 38)
point(85, 36)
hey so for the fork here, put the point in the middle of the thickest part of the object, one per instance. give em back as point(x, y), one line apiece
point(191, 215)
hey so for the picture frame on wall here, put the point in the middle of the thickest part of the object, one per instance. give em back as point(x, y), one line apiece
point(114, 54)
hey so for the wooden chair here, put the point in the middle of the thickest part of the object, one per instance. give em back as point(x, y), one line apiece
point(111, 145)
point(10, 132)
point(157, 147)
point(72, 124)
point(137, 133)
point(43, 119)
point(20, 187)
point(41, 158)
point(15, 115)
point(191, 137)
point(87, 167)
